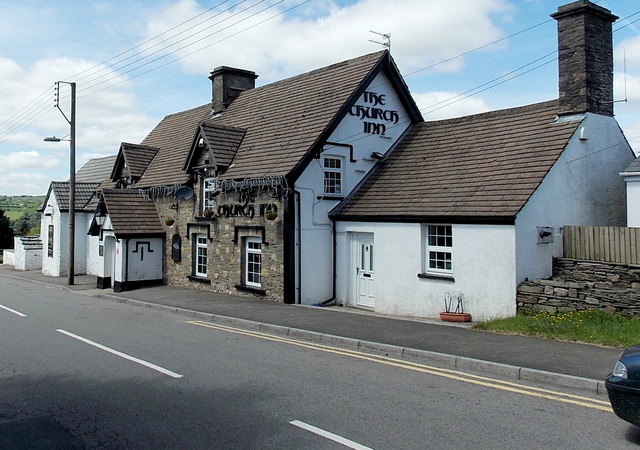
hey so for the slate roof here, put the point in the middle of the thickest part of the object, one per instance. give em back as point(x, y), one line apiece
point(130, 214)
point(136, 157)
point(96, 170)
point(286, 118)
point(222, 141)
point(84, 193)
point(173, 137)
point(475, 168)
point(633, 168)
point(283, 122)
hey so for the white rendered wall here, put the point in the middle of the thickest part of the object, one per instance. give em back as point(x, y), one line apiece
point(8, 257)
point(134, 261)
point(316, 233)
point(93, 259)
point(582, 188)
point(58, 265)
point(633, 201)
point(50, 265)
point(483, 269)
point(144, 259)
point(107, 233)
point(26, 257)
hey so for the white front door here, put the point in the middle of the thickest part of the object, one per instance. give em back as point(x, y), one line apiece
point(364, 270)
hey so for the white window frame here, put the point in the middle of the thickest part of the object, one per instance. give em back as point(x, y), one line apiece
point(438, 249)
point(201, 251)
point(252, 259)
point(337, 173)
point(208, 187)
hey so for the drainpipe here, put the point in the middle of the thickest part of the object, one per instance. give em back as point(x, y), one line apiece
point(299, 249)
point(125, 275)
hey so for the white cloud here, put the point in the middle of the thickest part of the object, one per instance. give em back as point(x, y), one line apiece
point(285, 46)
point(444, 105)
point(26, 160)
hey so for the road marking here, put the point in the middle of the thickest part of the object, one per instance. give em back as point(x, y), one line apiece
point(122, 355)
point(445, 373)
point(17, 313)
point(327, 435)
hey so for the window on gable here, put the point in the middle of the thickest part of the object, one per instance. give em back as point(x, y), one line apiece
point(439, 249)
point(332, 167)
point(201, 259)
point(208, 191)
point(252, 262)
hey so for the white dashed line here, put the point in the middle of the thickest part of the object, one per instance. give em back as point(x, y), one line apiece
point(328, 435)
point(17, 313)
point(122, 355)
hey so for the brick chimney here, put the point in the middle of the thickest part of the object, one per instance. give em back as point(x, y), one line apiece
point(585, 58)
point(226, 85)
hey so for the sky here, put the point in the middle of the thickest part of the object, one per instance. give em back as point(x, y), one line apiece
point(136, 61)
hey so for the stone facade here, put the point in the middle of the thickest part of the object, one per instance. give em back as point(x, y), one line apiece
point(234, 220)
point(583, 285)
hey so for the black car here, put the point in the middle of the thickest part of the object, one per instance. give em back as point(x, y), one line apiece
point(623, 386)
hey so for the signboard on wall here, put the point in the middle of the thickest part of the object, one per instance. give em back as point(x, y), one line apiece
point(50, 241)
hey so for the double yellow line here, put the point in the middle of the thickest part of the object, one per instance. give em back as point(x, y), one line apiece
point(445, 373)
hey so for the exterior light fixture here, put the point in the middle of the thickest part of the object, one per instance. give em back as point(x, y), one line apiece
point(100, 218)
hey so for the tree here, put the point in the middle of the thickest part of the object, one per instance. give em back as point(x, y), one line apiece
point(28, 223)
point(6, 233)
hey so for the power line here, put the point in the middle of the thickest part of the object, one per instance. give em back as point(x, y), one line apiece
point(89, 86)
point(110, 66)
point(205, 47)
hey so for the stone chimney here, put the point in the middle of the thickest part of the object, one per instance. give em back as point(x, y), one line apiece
point(226, 85)
point(585, 58)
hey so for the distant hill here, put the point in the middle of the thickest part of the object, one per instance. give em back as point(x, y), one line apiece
point(14, 206)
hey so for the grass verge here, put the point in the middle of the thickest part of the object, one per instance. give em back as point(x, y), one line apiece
point(594, 327)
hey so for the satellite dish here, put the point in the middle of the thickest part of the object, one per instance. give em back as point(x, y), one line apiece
point(184, 193)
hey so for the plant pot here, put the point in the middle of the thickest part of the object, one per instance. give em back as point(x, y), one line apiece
point(169, 222)
point(455, 317)
point(207, 213)
point(271, 213)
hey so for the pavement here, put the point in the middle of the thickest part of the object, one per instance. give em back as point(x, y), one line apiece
point(535, 360)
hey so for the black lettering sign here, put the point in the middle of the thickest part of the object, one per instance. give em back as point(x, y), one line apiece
point(372, 112)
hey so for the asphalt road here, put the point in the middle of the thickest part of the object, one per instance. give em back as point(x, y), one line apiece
point(79, 372)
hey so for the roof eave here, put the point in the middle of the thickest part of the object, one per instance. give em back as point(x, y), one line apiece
point(453, 219)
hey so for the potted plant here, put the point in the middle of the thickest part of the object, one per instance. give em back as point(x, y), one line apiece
point(168, 222)
point(271, 212)
point(454, 315)
point(208, 213)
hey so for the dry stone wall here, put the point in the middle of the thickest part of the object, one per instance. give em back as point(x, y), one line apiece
point(579, 285)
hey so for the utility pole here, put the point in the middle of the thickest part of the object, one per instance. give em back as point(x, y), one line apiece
point(71, 120)
point(72, 188)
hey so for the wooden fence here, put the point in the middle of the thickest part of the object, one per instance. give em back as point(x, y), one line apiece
point(608, 244)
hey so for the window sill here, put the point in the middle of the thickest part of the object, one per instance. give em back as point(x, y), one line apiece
point(437, 276)
point(205, 219)
point(330, 197)
point(255, 290)
point(199, 279)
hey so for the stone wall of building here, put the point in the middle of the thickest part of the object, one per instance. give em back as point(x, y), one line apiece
point(234, 218)
point(579, 285)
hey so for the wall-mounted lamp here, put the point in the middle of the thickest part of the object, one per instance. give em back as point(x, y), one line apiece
point(545, 235)
point(100, 218)
point(377, 155)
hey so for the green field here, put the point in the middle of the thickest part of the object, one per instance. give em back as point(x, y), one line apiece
point(15, 206)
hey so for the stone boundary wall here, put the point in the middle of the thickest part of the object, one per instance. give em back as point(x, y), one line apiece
point(579, 285)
